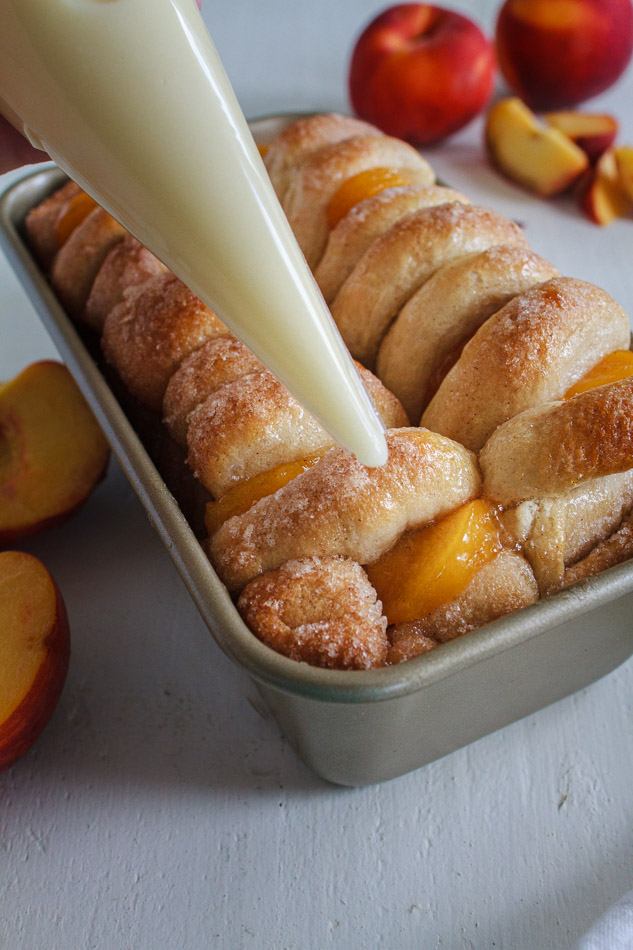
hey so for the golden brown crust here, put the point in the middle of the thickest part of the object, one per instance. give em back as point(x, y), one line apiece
point(613, 550)
point(550, 449)
point(340, 507)
point(78, 261)
point(253, 424)
point(530, 352)
point(402, 259)
point(314, 183)
point(218, 361)
point(127, 266)
point(365, 222)
point(321, 611)
point(41, 223)
point(296, 142)
point(150, 332)
point(445, 312)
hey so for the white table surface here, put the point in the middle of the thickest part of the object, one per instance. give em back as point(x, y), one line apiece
point(161, 808)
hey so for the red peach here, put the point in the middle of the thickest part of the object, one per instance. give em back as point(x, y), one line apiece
point(421, 72)
point(557, 53)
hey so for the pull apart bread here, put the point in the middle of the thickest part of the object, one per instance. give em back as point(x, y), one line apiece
point(505, 389)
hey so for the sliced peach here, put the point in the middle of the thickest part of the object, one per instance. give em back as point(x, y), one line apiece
point(430, 566)
point(539, 157)
point(240, 498)
point(593, 132)
point(624, 162)
point(606, 198)
point(611, 368)
point(52, 451)
point(364, 185)
point(34, 651)
point(72, 215)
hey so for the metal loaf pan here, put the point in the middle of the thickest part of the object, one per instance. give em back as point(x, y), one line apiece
point(352, 728)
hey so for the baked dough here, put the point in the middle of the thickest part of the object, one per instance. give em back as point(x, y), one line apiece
point(402, 259)
point(127, 266)
point(528, 353)
point(340, 507)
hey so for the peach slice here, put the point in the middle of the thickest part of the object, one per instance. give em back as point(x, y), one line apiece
point(606, 198)
point(34, 651)
point(541, 158)
point(364, 185)
point(52, 451)
point(239, 499)
point(430, 566)
point(624, 162)
point(77, 209)
point(611, 368)
point(593, 132)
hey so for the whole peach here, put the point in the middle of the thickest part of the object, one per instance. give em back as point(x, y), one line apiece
point(421, 72)
point(557, 53)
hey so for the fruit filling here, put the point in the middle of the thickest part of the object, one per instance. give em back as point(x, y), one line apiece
point(239, 499)
point(611, 368)
point(430, 566)
point(361, 186)
point(76, 211)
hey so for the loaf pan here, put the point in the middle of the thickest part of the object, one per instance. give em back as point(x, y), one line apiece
point(350, 727)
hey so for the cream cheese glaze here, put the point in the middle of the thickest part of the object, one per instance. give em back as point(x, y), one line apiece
point(130, 98)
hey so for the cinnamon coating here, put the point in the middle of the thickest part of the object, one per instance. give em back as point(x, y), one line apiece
point(220, 360)
point(528, 353)
point(402, 259)
point(366, 221)
point(79, 259)
point(127, 266)
point(301, 138)
point(340, 507)
point(434, 325)
point(321, 611)
point(253, 424)
point(150, 332)
point(41, 223)
point(313, 184)
point(553, 448)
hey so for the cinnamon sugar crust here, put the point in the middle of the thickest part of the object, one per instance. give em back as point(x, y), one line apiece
point(340, 507)
point(321, 611)
point(150, 332)
point(41, 223)
point(365, 222)
point(253, 424)
point(127, 266)
point(402, 259)
point(295, 143)
point(528, 353)
point(445, 312)
point(79, 259)
point(312, 186)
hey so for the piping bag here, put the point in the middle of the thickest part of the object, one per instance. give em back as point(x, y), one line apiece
point(129, 97)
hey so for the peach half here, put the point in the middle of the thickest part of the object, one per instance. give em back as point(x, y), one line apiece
point(52, 451)
point(34, 651)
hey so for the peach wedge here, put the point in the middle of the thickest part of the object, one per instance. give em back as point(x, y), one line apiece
point(52, 451)
point(538, 157)
point(34, 651)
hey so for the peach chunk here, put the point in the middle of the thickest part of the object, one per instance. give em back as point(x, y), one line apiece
point(239, 498)
point(606, 197)
point(593, 132)
point(52, 451)
point(364, 185)
point(430, 566)
point(34, 651)
point(71, 217)
point(611, 368)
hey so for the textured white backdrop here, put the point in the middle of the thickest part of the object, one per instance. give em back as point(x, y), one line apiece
point(162, 809)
